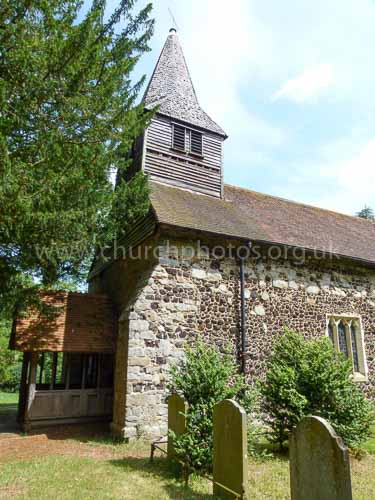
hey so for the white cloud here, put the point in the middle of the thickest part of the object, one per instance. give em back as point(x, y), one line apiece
point(357, 175)
point(339, 175)
point(354, 180)
point(311, 83)
point(346, 174)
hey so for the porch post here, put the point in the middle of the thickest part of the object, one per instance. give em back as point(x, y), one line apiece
point(53, 374)
point(23, 388)
point(31, 388)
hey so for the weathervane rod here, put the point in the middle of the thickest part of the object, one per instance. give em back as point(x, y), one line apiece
point(174, 22)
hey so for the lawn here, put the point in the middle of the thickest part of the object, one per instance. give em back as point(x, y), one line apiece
point(369, 446)
point(8, 398)
point(8, 403)
point(83, 478)
point(101, 469)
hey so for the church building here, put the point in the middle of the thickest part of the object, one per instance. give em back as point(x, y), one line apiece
point(221, 262)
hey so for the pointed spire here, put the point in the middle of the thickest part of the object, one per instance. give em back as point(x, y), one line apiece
point(172, 90)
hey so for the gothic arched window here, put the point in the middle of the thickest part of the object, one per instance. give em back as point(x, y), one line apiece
point(346, 335)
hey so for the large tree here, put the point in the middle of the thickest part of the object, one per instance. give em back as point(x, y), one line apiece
point(68, 117)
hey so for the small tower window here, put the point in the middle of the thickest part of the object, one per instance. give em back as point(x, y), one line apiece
point(196, 143)
point(179, 137)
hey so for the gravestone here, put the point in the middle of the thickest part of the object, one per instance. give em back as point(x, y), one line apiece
point(230, 450)
point(177, 408)
point(319, 462)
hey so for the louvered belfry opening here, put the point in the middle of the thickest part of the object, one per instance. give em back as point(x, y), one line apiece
point(179, 137)
point(196, 143)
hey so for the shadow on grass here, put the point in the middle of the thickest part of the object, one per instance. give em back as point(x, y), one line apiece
point(95, 432)
point(166, 472)
point(8, 418)
point(8, 409)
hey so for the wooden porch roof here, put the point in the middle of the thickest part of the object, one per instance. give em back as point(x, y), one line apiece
point(81, 323)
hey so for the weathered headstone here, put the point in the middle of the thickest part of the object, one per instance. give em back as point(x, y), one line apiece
point(319, 462)
point(230, 450)
point(177, 408)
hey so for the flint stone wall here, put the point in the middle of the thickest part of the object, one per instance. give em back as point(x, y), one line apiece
point(168, 300)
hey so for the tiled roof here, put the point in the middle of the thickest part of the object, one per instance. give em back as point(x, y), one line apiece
point(259, 217)
point(172, 90)
point(83, 323)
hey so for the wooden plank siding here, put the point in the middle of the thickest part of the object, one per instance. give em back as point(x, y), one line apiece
point(163, 163)
point(57, 406)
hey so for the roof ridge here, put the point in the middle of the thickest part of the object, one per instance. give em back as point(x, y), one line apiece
point(301, 204)
point(247, 214)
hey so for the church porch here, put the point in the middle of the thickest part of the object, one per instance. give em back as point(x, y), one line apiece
point(67, 372)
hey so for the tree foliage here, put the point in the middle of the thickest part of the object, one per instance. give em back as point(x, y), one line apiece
point(204, 377)
point(366, 213)
point(68, 117)
point(10, 361)
point(307, 377)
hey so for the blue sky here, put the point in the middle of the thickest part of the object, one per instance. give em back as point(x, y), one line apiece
point(292, 83)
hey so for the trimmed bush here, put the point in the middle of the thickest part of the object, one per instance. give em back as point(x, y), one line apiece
point(204, 378)
point(307, 377)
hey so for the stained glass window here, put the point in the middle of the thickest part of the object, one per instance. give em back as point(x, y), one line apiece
point(354, 347)
point(343, 347)
point(330, 332)
point(346, 335)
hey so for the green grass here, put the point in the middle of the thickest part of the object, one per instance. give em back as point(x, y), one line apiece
point(369, 446)
point(8, 403)
point(8, 398)
point(83, 478)
point(102, 468)
point(124, 471)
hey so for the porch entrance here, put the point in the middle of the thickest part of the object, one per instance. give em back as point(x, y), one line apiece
point(60, 387)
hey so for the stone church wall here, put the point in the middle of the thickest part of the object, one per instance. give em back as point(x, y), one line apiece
point(168, 300)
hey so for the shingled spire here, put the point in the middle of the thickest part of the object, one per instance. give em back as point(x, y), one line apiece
point(172, 90)
point(182, 146)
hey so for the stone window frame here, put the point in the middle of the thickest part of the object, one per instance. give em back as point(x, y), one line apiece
point(347, 320)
